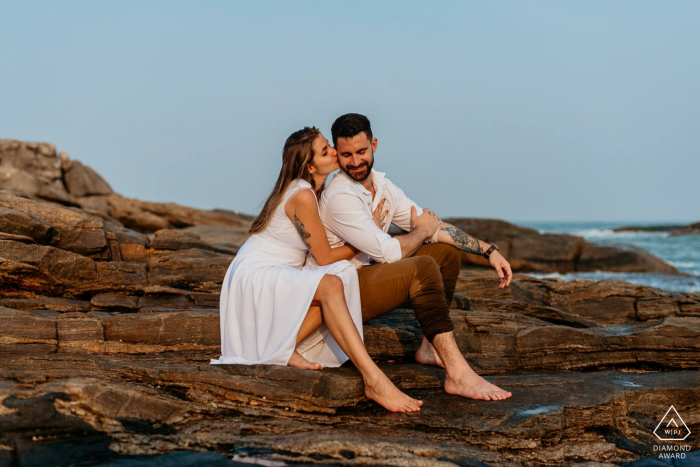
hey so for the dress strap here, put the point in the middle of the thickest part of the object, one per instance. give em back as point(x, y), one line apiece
point(295, 187)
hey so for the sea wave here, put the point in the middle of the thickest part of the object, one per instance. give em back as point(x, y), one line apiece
point(683, 264)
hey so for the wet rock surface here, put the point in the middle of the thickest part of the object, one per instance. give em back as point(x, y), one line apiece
point(109, 312)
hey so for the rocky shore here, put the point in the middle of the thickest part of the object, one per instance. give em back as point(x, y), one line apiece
point(110, 316)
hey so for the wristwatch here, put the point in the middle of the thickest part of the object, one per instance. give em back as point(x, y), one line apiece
point(488, 252)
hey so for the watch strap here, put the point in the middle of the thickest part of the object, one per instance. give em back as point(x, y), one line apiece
point(491, 249)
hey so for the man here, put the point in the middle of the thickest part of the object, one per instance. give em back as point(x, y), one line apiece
point(394, 269)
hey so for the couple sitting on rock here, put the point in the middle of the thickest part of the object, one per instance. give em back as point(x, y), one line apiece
point(319, 262)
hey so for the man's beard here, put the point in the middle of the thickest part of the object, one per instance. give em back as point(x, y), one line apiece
point(359, 176)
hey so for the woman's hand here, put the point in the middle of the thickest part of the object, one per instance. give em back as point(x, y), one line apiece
point(379, 214)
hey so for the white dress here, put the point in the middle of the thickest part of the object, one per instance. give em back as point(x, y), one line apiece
point(267, 292)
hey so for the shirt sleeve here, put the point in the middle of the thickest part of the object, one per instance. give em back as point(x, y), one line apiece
point(402, 215)
point(354, 225)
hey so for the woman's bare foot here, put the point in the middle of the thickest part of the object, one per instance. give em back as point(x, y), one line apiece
point(473, 386)
point(297, 361)
point(382, 391)
point(427, 355)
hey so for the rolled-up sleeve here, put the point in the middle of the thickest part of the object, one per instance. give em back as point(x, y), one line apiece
point(347, 217)
point(402, 215)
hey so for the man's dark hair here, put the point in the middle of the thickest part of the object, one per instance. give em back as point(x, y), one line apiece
point(349, 125)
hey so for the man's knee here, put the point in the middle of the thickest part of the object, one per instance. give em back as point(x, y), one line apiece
point(454, 257)
point(449, 257)
point(424, 266)
point(425, 275)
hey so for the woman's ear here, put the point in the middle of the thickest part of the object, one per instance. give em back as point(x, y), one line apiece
point(310, 169)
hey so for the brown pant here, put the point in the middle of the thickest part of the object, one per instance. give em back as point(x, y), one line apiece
point(428, 279)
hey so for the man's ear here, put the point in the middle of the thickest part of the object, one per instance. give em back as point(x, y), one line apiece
point(374, 144)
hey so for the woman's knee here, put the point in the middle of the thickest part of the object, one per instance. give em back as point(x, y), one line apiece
point(330, 286)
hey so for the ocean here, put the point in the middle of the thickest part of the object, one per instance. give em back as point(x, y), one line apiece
point(683, 252)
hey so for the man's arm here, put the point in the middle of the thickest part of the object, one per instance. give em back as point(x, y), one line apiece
point(451, 235)
point(403, 213)
point(347, 217)
point(424, 227)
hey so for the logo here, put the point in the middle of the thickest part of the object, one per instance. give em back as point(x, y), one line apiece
point(672, 427)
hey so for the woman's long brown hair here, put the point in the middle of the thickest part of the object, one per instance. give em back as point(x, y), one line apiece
point(297, 154)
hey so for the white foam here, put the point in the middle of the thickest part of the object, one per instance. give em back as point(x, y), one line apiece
point(683, 264)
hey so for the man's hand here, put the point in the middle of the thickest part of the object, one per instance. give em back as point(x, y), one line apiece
point(502, 268)
point(423, 227)
point(428, 222)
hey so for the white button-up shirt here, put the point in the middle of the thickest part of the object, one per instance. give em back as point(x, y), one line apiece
point(346, 211)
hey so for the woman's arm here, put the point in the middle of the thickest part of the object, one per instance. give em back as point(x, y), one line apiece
point(302, 210)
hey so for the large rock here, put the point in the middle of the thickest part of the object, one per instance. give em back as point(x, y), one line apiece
point(66, 228)
point(529, 251)
point(81, 180)
point(501, 342)
point(158, 406)
point(494, 342)
point(19, 223)
point(28, 270)
point(33, 169)
point(149, 217)
point(184, 240)
point(193, 269)
point(220, 234)
point(602, 302)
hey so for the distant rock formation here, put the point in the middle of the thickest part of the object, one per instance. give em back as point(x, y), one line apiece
point(35, 171)
point(527, 250)
point(673, 230)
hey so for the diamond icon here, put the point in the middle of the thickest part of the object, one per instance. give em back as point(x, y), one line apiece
point(672, 427)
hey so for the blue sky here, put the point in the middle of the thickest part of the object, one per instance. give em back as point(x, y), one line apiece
point(523, 111)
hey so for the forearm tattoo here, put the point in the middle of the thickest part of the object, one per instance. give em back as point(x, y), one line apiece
point(302, 232)
point(464, 241)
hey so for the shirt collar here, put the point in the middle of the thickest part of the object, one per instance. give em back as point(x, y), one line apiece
point(377, 178)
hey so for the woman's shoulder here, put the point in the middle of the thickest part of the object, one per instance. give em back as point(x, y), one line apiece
point(297, 186)
point(300, 183)
point(301, 192)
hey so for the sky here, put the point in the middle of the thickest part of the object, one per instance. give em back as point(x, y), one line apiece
point(521, 111)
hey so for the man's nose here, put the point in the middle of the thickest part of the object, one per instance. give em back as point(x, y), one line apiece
point(356, 160)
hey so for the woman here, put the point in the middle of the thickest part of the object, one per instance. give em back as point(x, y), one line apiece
point(267, 291)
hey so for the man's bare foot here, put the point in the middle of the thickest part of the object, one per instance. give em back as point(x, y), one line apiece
point(427, 354)
point(382, 391)
point(473, 386)
point(297, 361)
